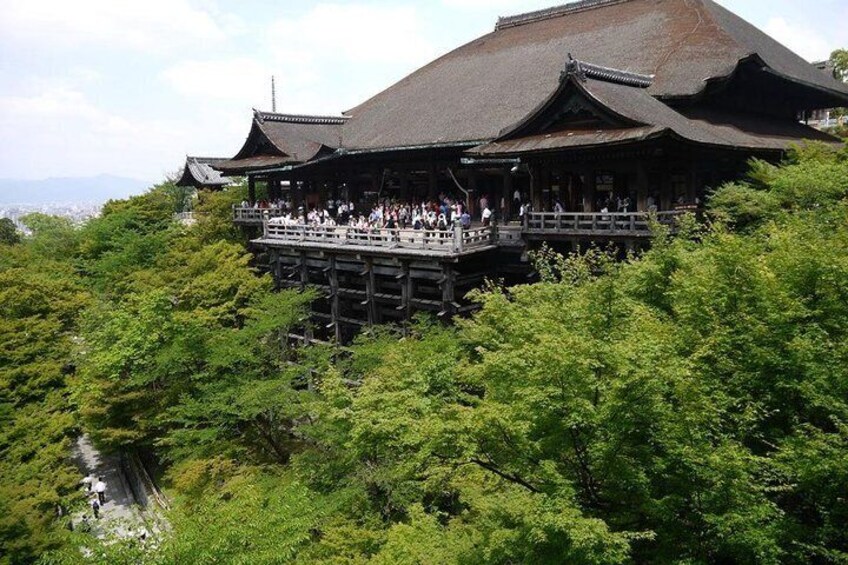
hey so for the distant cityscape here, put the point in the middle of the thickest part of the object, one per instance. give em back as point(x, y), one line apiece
point(78, 199)
point(77, 213)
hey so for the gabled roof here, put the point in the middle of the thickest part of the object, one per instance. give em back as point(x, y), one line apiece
point(626, 114)
point(475, 91)
point(199, 172)
point(280, 139)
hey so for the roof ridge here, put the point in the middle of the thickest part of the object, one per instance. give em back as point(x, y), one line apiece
point(583, 70)
point(198, 158)
point(553, 12)
point(301, 118)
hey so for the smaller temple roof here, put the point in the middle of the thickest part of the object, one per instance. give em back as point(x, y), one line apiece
point(199, 172)
point(276, 140)
point(616, 107)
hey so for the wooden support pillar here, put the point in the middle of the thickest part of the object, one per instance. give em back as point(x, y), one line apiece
point(447, 284)
point(251, 190)
point(589, 185)
point(407, 290)
point(333, 279)
point(432, 182)
point(277, 267)
point(370, 292)
point(404, 185)
point(304, 272)
point(473, 195)
point(294, 194)
point(535, 195)
point(376, 182)
point(641, 187)
point(507, 194)
point(275, 191)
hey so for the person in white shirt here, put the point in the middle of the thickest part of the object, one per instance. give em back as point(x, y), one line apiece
point(100, 490)
point(487, 216)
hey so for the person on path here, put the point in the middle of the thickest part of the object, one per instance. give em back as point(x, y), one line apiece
point(100, 489)
point(95, 508)
point(88, 480)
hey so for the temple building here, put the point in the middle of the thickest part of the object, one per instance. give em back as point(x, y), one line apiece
point(199, 172)
point(562, 111)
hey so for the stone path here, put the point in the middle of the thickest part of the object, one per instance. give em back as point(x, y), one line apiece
point(119, 515)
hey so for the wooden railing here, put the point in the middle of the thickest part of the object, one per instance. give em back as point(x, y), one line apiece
point(636, 224)
point(251, 215)
point(452, 241)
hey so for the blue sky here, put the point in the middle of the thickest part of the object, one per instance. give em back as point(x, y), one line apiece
point(128, 88)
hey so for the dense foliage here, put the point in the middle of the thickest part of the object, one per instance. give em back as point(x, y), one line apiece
point(689, 405)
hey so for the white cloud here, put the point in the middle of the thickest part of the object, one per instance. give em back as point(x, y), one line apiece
point(804, 41)
point(335, 55)
point(229, 79)
point(60, 132)
point(352, 33)
point(149, 25)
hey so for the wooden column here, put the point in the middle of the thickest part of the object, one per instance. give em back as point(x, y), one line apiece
point(370, 302)
point(333, 279)
point(277, 266)
point(407, 290)
point(508, 189)
point(304, 272)
point(641, 187)
point(535, 187)
point(589, 186)
point(447, 284)
point(294, 194)
point(404, 185)
point(251, 190)
point(473, 195)
point(432, 182)
point(275, 191)
point(376, 183)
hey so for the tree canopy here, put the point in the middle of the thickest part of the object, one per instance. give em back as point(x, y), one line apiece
point(686, 405)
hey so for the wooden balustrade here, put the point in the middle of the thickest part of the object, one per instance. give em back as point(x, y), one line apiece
point(457, 240)
point(453, 241)
point(256, 216)
point(632, 224)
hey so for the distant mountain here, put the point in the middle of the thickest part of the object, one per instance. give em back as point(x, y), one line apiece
point(95, 190)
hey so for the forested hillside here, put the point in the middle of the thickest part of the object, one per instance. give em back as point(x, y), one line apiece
point(688, 405)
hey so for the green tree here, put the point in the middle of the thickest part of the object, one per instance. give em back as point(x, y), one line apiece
point(839, 59)
point(9, 232)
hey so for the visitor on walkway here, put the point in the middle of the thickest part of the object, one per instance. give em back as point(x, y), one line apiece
point(465, 220)
point(100, 490)
point(487, 216)
point(88, 481)
point(95, 508)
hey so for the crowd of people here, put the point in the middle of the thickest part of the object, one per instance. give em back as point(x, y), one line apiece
point(442, 213)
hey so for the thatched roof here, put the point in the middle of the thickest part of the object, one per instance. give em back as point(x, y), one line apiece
point(475, 91)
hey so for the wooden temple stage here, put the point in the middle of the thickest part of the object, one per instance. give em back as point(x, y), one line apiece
point(375, 276)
